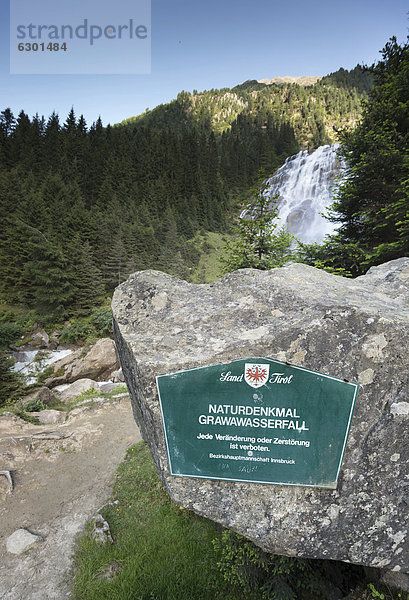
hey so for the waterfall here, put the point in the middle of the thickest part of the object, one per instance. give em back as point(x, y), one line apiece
point(305, 185)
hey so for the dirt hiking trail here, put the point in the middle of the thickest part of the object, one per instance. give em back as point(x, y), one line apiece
point(62, 475)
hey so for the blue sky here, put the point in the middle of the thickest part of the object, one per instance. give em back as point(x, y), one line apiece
point(203, 44)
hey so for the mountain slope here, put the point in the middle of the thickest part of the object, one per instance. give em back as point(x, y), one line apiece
point(83, 207)
point(303, 80)
point(316, 112)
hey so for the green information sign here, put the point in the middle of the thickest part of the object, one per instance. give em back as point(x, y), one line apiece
point(256, 420)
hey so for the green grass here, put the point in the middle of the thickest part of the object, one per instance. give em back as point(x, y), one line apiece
point(211, 245)
point(93, 393)
point(164, 552)
point(87, 398)
point(160, 551)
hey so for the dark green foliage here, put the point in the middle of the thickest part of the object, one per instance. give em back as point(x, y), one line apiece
point(340, 259)
point(77, 330)
point(263, 576)
point(86, 208)
point(45, 374)
point(358, 78)
point(9, 332)
point(86, 329)
point(83, 207)
point(35, 405)
point(18, 322)
point(11, 383)
point(259, 244)
point(372, 205)
point(86, 277)
point(48, 285)
point(101, 319)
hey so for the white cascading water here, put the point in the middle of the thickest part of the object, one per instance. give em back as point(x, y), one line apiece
point(305, 185)
point(30, 363)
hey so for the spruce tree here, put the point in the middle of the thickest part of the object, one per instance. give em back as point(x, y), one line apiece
point(85, 276)
point(51, 287)
point(260, 243)
point(371, 206)
point(115, 268)
point(11, 383)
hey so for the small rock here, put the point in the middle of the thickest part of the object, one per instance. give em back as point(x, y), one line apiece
point(76, 388)
point(21, 540)
point(50, 416)
point(62, 368)
point(117, 376)
point(101, 532)
point(7, 475)
point(77, 411)
point(400, 408)
point(98, 363)
point(40, 338)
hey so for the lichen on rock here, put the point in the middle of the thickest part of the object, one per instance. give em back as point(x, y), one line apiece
point(350, 329)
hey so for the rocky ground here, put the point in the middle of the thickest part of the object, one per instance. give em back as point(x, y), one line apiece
point(62, 475)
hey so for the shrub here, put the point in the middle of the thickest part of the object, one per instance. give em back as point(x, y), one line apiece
point(262, 576)
point(34, 405)
point(101, 318)
point(78, 329)
point(11, 384)
point(46, 373)
point(9, 332)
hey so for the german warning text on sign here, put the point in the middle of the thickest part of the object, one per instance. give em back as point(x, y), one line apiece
point(256, 420)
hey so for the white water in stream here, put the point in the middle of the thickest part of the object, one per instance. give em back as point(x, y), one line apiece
point(305, 185)
point(30, 363)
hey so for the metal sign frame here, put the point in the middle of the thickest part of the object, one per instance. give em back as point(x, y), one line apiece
point(304, 415)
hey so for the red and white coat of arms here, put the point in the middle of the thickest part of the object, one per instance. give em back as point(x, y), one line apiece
point(256, 375)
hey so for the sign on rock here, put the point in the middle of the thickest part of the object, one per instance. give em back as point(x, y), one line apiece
point(256, 420)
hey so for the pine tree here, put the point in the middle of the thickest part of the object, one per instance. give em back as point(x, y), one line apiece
point(7, 126)
point(260, 243)
point(372, 205)
point(52, 144)
point(50, 284)
point(85, 276)
point(11, 383)
point(116, 265)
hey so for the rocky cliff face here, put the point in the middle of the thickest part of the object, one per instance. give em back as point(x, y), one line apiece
point(351, 329)
point(303, 80)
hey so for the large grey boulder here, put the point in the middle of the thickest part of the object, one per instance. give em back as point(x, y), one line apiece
point(351, 329)
point(98, 363)
point(78, 387)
